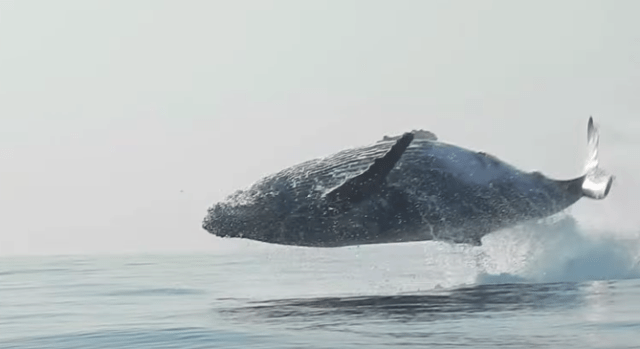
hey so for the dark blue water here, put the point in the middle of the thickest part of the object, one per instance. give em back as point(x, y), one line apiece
point(557, 288)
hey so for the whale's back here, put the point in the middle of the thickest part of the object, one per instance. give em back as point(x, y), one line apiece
point(313, 179)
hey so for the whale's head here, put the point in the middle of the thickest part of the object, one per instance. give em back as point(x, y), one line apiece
point(237, 216)
point(226, 219)
point(256, 213)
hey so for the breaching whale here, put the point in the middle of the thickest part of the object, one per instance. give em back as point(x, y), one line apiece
point(405, 188)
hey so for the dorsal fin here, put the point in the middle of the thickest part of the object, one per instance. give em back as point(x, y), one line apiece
point(417, 134)
point(370, 181)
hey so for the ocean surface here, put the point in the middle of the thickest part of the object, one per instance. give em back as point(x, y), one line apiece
point(551, 284)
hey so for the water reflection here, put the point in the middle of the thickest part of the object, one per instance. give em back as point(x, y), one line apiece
point(481, 300)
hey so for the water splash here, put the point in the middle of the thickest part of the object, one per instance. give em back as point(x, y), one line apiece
point(557, 250)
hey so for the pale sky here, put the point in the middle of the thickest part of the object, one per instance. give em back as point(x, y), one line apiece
point(122, 121)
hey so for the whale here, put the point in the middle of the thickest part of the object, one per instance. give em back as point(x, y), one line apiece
point(410, 187)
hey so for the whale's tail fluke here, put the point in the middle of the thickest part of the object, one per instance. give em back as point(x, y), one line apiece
point(597, 182)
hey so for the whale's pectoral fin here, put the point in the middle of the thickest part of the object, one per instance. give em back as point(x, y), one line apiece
point(370, 181)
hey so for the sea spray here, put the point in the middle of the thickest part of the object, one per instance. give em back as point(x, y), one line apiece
point(556, 250)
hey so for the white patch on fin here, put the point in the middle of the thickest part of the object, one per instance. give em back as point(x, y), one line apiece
point(593, 140)
point(597, 182)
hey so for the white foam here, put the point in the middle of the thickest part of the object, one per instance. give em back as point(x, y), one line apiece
point(558, 251)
